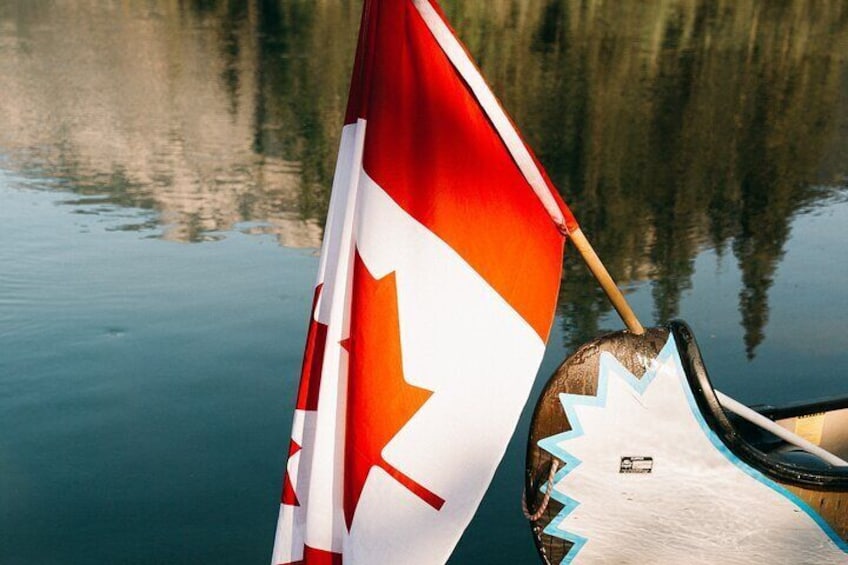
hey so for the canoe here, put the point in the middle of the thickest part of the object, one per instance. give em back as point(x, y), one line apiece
point(634, 457)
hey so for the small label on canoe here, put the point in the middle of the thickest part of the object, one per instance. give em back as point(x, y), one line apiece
point(636, 464)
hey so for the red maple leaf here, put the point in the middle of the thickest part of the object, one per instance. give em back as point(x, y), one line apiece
point(310, 382)
point(312, 556)
point(313, 359)
point(289, 495)
point(379, 400)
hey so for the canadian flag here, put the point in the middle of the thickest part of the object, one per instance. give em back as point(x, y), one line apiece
point(436, 292)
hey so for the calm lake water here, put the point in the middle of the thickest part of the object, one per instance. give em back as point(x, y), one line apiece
point(164, 175)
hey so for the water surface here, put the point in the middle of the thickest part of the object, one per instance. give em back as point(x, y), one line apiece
point(164, 176)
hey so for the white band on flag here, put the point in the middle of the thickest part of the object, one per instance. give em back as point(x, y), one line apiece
point(469, 73)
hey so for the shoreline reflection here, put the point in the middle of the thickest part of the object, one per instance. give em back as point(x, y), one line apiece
point(670, 127)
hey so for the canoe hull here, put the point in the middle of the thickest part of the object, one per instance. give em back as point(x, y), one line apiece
point(646, 468)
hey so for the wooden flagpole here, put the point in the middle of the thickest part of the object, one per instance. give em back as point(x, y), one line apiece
point(523, 158)
point(602, 275)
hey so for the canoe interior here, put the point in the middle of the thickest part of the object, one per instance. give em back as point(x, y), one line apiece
point(823, 423)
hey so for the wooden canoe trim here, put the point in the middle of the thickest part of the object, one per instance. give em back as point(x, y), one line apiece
point(833, 506)
point(578, 375)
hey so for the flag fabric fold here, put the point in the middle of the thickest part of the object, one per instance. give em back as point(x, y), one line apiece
point(436, 291)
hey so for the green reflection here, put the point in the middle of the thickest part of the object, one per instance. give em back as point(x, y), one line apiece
point(668, 126)
point(673, 126)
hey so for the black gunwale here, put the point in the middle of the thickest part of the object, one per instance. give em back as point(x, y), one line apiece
point(833, 479)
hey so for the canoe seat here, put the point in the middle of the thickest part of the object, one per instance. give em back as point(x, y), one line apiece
point(776, 448)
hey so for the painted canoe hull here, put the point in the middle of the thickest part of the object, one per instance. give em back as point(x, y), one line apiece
point(650, 469)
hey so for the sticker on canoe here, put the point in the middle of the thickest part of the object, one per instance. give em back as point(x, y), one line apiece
point(700, 505)
point(636, 464)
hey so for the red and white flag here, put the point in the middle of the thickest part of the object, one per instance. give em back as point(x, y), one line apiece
point(436, 292)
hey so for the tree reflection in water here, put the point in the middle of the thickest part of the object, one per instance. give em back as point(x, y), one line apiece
point(669, 127)
point(675, 126)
